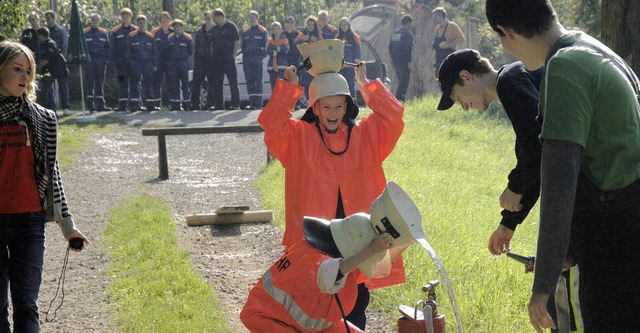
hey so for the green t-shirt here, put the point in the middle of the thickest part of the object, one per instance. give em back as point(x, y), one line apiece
point(586, 99)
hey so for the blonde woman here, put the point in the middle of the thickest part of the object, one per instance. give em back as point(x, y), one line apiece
point(31, 188)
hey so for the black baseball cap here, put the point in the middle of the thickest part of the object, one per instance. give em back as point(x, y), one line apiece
point(449, 70)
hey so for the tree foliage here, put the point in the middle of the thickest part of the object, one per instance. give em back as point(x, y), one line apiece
point(11, 14)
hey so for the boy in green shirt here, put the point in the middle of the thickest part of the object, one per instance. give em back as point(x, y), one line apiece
point(590, 193)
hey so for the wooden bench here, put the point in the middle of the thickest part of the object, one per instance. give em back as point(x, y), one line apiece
point(161, 133)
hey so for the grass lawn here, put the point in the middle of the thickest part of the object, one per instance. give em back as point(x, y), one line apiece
point(154, 287)
point(454, 165)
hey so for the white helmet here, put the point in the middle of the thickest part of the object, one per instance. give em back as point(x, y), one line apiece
point(394, 212)
point(327, 84)
point(352, 235)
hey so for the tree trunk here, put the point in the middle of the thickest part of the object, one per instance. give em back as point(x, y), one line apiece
point(116, 8)
point(169, 6)
point(423, 78)
point(621, 29)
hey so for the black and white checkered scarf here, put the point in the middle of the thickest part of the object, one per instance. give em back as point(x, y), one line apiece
point(43, 123)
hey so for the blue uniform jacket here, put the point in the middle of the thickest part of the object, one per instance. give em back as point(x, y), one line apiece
point(401, 46)
point(162, 43)
point(180, 47)
point(280, 49)
point(329, 32)
point(119, 43)
point(352, 50)
point(97, 43)
point(254, 42)
point(143, 47)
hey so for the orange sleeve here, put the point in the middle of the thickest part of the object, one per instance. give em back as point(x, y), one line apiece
point(387, 115)
point(276, 119)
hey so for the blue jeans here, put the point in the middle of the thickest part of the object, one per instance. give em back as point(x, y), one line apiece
point(21, 266)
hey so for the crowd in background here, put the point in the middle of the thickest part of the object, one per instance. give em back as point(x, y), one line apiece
point(143, 58)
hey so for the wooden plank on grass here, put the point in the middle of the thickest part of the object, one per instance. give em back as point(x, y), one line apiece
point(259, 216)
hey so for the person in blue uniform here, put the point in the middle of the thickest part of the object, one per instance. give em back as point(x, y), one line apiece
point(144, 61)
point(202, 63)
point(293, 56)
point(254, 44)
point(352, 52)
point(311, 33)
point(400, 49)
point(277, 49)
point(119, 55)
point(327, 30)
point(94, 71)
point(61, 37)
point(180, 49)
point(161, 37)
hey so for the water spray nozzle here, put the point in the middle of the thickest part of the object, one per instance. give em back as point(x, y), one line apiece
point(526, 260)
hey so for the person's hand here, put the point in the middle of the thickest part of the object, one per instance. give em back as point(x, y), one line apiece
point(538, 315)
point(442, 45)
point(291, 74)
point(510, 200)
point(361, 74)
point(78, 234)
point(499, 240)
point(382, 242)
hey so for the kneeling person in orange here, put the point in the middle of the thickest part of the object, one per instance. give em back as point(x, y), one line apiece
point(314, 284)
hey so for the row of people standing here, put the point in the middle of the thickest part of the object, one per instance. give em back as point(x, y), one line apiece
point(144, 58)
point(152, 56)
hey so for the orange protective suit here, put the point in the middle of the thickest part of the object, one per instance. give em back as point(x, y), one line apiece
point(287, 297)
point(313, 174)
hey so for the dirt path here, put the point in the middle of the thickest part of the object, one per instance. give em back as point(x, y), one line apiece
point(206, 172)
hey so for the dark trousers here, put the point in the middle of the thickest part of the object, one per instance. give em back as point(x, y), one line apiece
point(403, 71)
point(158, 76)
point(202, 70)
point(46, 93)
point(226, 66)
point(179, 80)
point(21, 264)
point(274, 76)
point(357, 315)
point(141, 69)
point(63, 90)
point(94, 73)
point(304, 81)
point(350, 75)
point(605, 241)
point(253, 76)
point(123, 70)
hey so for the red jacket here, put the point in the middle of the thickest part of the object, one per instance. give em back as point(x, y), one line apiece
point(313, 175)
point(287, 297)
